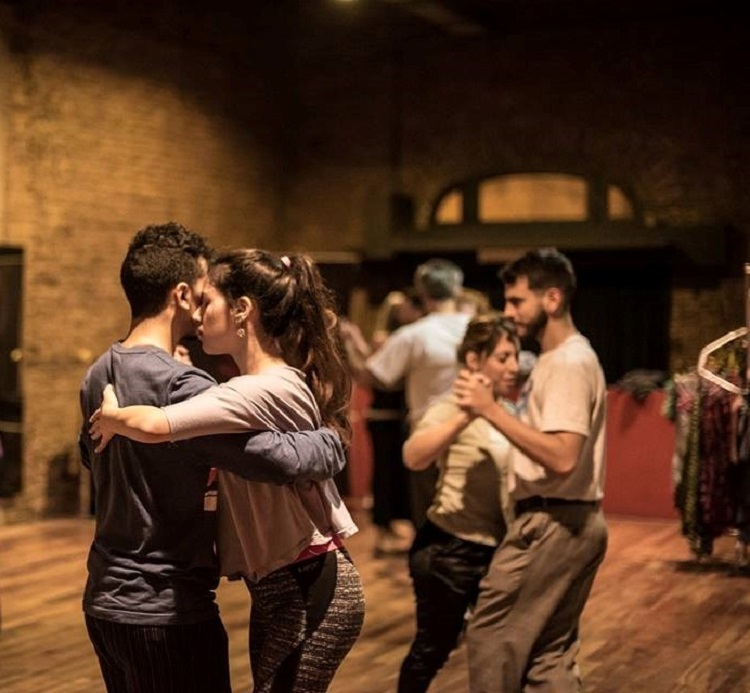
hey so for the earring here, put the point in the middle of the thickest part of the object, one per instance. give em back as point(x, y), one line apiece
point(241, 332)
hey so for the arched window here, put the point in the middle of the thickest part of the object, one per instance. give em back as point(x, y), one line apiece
point(531, 198)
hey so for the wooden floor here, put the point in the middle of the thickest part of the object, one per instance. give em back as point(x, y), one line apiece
point(656, 622)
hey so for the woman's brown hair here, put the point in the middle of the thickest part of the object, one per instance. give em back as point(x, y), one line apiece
point(484, 332)
point(297, 309)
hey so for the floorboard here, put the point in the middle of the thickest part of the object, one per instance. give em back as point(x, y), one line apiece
point(657, 621)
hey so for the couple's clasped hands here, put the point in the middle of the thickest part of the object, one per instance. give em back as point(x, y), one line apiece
point(473, 392)
point(101, 420)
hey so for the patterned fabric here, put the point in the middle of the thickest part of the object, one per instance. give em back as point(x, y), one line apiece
point(716, 442)
point(304, 620)
point(679, 404)
point(706, 494)
point(742, 480)
point(686, 491)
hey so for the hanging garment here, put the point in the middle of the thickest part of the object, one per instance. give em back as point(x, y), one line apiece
point(706, 473)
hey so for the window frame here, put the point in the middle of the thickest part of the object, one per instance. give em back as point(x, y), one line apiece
point(703, 244)
point(596, 202)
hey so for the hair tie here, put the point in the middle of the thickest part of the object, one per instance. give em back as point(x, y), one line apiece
point(286, 261)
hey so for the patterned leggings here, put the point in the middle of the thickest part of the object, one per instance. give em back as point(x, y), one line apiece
point(304, 620)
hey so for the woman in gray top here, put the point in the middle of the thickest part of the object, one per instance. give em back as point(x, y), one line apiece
point(470, 506)
point(275, 317)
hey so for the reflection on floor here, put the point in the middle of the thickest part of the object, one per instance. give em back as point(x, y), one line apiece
point(657, 621)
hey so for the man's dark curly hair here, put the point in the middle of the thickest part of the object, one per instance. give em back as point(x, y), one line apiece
point(545, 268)
point(159, 257)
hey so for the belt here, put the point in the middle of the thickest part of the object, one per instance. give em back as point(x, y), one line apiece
point(539, 503)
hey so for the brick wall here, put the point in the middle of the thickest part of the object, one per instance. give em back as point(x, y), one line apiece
point(114, 120)
point(659, 109)
point(110, 127)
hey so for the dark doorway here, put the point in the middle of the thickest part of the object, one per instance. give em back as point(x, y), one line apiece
point(622, 304)
point(11, 409)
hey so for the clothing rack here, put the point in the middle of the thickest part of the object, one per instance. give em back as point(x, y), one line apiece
point(741, 550)
point(742, 546)
point(712, 480)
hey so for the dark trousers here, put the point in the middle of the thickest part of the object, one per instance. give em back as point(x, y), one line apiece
point(445, 572)
point(390, 478)
point(422, 491)
point(190, 658)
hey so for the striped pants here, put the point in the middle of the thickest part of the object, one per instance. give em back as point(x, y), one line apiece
point(191, 658)
point(304, 619)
